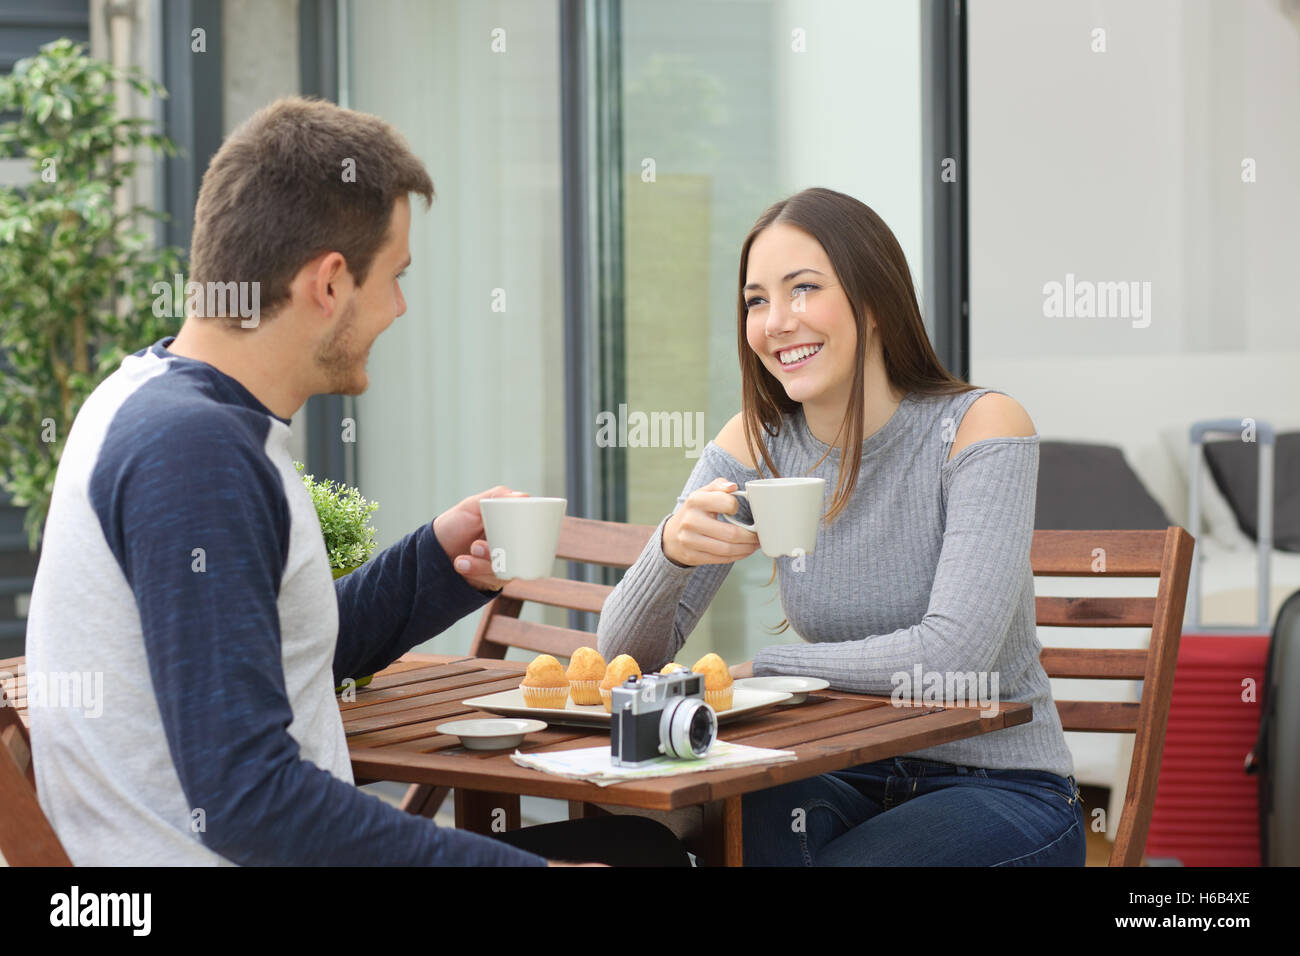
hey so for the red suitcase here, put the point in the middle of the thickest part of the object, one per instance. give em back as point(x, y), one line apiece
point(1207, 807)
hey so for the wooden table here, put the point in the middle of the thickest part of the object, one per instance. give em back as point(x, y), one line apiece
point(391, 736)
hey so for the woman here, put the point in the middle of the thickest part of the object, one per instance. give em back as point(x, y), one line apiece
point(922, 557)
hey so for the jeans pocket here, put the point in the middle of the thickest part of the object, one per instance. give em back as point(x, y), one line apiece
point(820, 804)
point(1068, 849)
point(822, 838)
point(1067, 799)
point(1062, 789)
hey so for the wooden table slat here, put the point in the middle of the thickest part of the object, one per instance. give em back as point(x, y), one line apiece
point(418, 672)
point(787, 738)
point(1008, 715)
point(488, 663)
point(368, 705)
point(816, 708)
point(542, 740)
point(422, 726)
point(367, 697)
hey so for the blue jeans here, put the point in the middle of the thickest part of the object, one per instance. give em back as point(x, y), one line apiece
point(905, 811)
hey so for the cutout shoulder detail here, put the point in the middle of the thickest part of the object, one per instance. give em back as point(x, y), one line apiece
point(991, 415)
point(731, 439)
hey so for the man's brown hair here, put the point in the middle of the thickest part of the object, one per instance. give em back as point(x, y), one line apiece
point(299, 178)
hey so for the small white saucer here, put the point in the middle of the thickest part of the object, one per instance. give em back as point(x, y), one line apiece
point(493, 733)
point(797, 687)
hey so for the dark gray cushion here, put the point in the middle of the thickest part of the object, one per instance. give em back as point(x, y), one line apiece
point(1091, 488)
point(1235, 467)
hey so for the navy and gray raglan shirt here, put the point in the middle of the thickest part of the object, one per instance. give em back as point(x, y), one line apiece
point(184, 581)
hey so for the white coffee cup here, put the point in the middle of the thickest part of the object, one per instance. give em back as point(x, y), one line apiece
point(522, 535)
point(786, 513)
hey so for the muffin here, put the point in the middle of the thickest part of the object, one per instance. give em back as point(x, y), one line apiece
point(619, 670)
point(586, 671)
point(718, 685)
point(672, 666)
point(544, 684)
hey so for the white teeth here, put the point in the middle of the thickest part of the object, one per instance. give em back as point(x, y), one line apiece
point(790, 356)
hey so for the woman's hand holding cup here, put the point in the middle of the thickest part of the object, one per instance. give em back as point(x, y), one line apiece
point(694, 535)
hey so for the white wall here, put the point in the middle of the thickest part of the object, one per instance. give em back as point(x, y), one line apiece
point(1126, 165)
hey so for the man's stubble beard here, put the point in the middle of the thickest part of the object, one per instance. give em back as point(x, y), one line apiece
point(340, 359)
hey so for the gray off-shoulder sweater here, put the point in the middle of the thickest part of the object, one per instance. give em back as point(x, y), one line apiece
point(925, 573)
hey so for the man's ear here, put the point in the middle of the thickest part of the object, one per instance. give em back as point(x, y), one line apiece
point(328, 282)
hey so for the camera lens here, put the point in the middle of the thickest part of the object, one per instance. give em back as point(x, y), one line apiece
point(704, 727)
point(687, 728)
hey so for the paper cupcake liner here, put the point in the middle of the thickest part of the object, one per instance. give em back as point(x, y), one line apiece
point(585, 692)
point(554, 697)
point(719, 699)
point(607, 699)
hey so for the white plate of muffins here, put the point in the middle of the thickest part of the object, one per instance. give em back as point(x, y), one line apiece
point(580, 695)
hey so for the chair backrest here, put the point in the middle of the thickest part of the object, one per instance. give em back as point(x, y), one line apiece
point(607, 543)
point(26, 837)
point(1164, 554)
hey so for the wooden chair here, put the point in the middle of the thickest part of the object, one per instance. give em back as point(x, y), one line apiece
point(26, 837)
point(1164, 554)
point(607, 543)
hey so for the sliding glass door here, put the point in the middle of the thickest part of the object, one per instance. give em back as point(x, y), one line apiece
point(467, 387)
point(728, 106)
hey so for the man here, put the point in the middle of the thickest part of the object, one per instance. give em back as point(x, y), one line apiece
point(183, 563)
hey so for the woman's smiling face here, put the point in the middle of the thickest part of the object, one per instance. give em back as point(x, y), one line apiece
point(798, 312)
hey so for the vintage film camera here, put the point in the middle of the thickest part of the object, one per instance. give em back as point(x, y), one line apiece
point(660, 715)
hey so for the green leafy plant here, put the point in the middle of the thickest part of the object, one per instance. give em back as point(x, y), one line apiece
point(77, 271)
point(344, 520)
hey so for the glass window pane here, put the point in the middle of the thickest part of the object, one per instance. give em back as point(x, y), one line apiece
point(466, 389)
point(794, 94)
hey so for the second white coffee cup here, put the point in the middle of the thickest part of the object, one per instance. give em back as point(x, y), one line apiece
point(522, 534)
point(786, 512)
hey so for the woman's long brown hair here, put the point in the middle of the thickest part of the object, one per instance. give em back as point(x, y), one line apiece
point(873, 273)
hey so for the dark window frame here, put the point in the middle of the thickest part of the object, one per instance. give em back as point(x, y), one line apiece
point(328, 455)
point(591, 140)
point(193, 111)
point(946, 204)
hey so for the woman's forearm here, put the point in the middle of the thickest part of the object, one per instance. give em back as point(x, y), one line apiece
point(873, 665)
